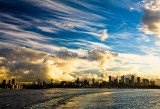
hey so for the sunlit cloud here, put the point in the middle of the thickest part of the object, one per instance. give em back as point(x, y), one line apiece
point(62, 39)
point(151, 17)
point(26, 63)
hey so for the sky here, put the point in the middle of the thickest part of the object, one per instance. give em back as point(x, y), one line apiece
point(69, 39)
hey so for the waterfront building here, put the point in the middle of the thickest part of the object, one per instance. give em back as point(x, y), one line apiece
point(122, 79)
point(51, 81)
point(110, 79)
point(132, 80)
point(145, 82)
point(93, 81)
point(127, 81)
point(4, 82)
point(138, 81)
point(9, 82)
point(39, 82)
point(13, 81)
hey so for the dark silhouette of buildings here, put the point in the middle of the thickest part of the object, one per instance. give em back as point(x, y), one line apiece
point(112, 83)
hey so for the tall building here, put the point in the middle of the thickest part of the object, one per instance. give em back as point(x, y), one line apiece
point(116, 81)
point(145, 82)
point(122, 79)
point(86, 82)
point(77, 81)
point(127, 81)
point(93, 81)
point(39, 82)
point(44, 83)
point(51, 81)
point(152, 83)
point(110, 79)
point(138, 81)
point(9, 82)
point(132, 80)
point(4, 82)
point(13, 81)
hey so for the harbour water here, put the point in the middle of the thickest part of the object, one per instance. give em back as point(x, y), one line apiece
point(80, 99)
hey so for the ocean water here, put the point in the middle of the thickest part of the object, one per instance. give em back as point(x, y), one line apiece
point(80, 99)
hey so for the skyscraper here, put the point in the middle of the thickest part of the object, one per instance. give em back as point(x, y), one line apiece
point(138, 81)
point(93, 81)
point(9, 82)
point(51, 81)
point(127, 81)
point(39, 81)
point(110, 79)
point(13, 81)
point(77, 81)
point(132, 80)
point(4, 82)
point(145, 82)
point(122, 79)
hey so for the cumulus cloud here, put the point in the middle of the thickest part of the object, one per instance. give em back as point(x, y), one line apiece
point(151, 17)
point(90, 77)
point(102, 56)
point(26, 64)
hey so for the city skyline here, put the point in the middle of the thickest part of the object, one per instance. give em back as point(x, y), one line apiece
point(68, 39)
point(113, 82)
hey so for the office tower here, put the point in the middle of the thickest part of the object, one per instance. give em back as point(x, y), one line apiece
point(13, 81)
point(44, 83)
point(93, 81)
point(39, 81)
point(132, 80)
point(51, 81)
point(127, 81)
point(4, 82)
point(145, 82)
point(152, 83)
point(9, 82)
point(110, 79)
point(86, 82)
point(138, 80)
point(77, 81)
point(116, 82)
point(122, 79)
point(63, 83)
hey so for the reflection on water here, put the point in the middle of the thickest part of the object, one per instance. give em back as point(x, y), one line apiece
point(81, 98)
point(135, 99)
point(95, 100)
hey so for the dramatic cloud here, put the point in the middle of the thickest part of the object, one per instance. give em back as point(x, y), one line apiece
point(151, 17)
point(28, 65)
point(102, 56)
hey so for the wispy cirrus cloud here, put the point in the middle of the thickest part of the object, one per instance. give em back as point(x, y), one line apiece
point(63, 17)
point(71, 29)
